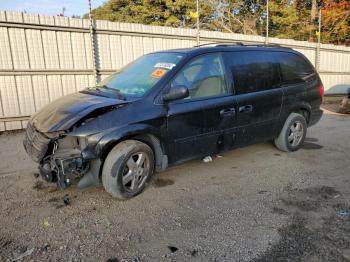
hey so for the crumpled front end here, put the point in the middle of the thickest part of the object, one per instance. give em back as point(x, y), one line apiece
point(59, 155)
point(56, 136)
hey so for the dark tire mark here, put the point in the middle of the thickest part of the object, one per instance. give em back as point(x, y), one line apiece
point(311, 139)
point(162, 182)
point(311, 146)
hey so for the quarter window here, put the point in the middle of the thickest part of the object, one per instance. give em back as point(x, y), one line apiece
point(204, 77)
point(294, 68)
point(253, 71)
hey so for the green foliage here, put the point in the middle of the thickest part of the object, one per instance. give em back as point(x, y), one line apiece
point(287, 22)
point(145, 12)
point(294, 19)
point(150, 12)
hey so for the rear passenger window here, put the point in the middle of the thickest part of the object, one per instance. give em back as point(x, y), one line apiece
point(294, 68)
point(253, 71)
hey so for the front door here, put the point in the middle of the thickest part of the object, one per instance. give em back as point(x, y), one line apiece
point(197, 124)
point(185, 121)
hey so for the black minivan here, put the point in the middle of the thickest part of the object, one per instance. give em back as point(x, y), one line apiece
point(171, 106)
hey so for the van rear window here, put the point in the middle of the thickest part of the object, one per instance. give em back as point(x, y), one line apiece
point(294, 69)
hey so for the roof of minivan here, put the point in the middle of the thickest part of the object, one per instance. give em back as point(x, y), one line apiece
point(222, 48)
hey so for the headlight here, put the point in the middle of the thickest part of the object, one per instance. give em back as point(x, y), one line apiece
point(68, 142)
point(52, 135)
point(72, 142)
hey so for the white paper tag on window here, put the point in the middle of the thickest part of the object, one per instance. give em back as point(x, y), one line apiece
point(165, 65)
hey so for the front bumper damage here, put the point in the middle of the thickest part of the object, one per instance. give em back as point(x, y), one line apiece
point(35, 143)
point(60, 158)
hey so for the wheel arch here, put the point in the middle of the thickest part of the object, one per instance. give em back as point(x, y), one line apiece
point(304, 111)
point(161, 159)
point(301, 108)
point(150, 139)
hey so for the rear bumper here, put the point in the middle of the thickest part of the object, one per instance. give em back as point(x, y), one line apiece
point(315, 116)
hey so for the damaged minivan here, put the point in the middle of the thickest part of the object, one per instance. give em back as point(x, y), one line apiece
point(172, 106)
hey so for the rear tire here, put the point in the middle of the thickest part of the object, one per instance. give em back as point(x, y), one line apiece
point(293, 133)
point(127, 169)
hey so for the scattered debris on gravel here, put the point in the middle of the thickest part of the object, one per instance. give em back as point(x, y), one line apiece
point(66, 199)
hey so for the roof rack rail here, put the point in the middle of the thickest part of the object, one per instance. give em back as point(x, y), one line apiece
point(230, 44)
point(223, 44)
point(266, 45)
point(220, 43)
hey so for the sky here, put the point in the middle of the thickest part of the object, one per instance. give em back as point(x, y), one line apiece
point(49, 7)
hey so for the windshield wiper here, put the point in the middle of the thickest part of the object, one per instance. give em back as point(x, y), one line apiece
point(94, 91)
point(117, 91)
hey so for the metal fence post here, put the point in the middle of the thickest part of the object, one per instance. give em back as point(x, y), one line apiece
point(198, 30)
point(267, 23)
point(318, 49)
point(93, 44)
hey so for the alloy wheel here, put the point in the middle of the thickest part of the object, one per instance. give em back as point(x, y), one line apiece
point(296, 133)
point(136, 171)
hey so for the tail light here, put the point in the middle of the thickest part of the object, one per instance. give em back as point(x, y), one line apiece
point(321, 90)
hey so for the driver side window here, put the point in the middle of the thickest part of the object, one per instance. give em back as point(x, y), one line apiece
point(204, 77)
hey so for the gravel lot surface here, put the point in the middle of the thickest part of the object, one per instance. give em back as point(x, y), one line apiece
point(250, 204)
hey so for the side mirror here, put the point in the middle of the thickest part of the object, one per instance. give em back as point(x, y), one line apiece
point(178, 92)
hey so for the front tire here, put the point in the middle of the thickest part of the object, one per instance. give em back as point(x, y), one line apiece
point(127, 169)
point(293, 133)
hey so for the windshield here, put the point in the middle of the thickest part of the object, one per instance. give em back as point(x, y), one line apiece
point(136, 78)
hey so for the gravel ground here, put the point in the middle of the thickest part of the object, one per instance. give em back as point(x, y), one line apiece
point(250, 204)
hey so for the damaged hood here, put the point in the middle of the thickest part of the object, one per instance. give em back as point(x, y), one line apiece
point(66, 111)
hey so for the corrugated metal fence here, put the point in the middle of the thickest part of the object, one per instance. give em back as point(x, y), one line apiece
point(45, 57)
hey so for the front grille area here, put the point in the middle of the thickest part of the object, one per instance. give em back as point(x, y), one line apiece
point(35, 143)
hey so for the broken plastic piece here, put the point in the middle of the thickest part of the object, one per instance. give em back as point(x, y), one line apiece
point(23, 255)
point(343, 213)
point(45, 247)
point(91, 178)
point(173, 249)
point(66, 200)
point(207, 159)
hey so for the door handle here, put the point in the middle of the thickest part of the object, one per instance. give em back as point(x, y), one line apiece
point(246, 109)
point(228, 112)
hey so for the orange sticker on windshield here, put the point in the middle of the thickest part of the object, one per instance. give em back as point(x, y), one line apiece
point(158, 73)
